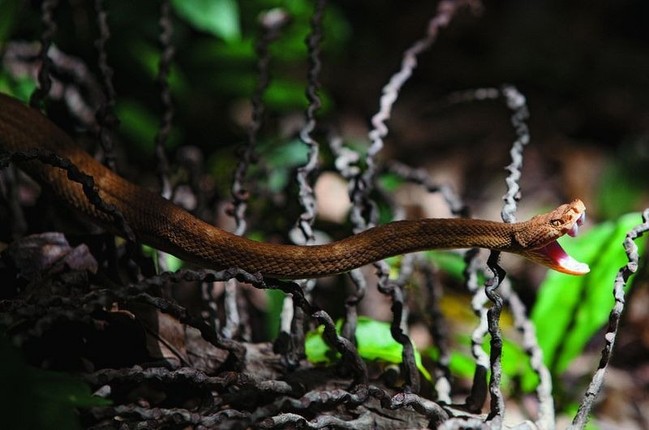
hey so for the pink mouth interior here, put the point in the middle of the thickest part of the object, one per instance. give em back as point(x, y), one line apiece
point(561, 261)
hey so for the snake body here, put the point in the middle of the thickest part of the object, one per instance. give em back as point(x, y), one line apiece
point(165, 226)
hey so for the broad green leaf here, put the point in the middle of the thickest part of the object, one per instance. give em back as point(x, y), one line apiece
point(274, 310)
point(461, 365)
point(172, 262)
point(39, 399)
point(21, 88)
point(569, 309)
point(218, 17)
point(515, 361)
point(375, 342)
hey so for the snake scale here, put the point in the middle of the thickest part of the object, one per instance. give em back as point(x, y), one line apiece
point(165, 226)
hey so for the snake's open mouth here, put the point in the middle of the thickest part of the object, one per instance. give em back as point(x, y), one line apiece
point(554, 256)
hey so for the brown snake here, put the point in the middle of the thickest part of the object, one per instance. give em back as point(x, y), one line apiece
point(165, 226)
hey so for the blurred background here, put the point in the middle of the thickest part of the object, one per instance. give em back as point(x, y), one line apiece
point(582, 66)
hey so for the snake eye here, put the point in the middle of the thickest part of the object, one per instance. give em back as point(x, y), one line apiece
point(555, 222)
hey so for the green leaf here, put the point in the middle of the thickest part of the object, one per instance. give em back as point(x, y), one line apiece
point(64, 390)
point(282, 159)
point(147, 57)
point(623, 183)
point(38, 399)
point(9, 17)
point(218, 17)
point(375, 342)
point(274, 310)
point(283, 94)
point(21, 87)
point(515, 361)
point(390, 182)
point(450, 262)
point(138, 124)
point(569, 310)
point(172, 262)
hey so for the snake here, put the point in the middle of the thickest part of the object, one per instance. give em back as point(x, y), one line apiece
point(158, 222)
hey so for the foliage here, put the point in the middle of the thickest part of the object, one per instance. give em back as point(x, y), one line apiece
point(623, 183)
point(10, 10)
point(219, 17)
point(38, 399)
point(374, 343)
point(570, 310)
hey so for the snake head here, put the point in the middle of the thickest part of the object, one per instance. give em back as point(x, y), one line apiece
point(539, 237)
